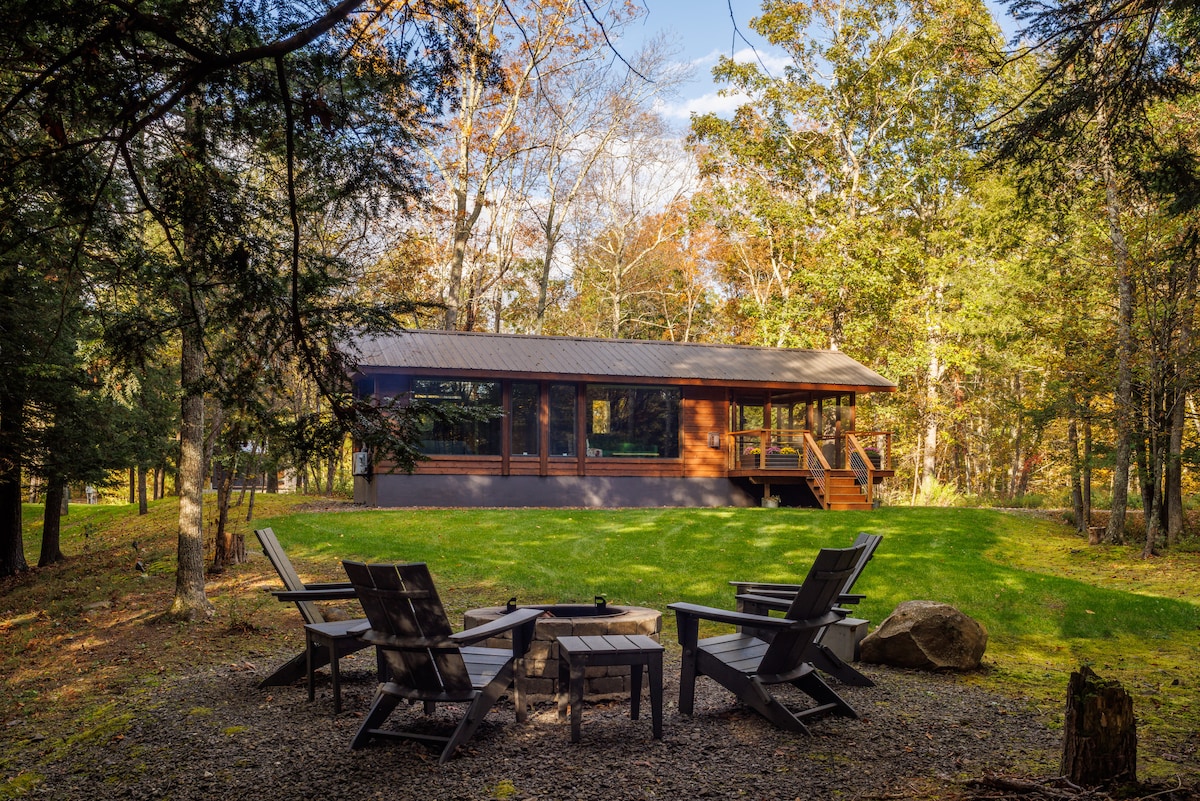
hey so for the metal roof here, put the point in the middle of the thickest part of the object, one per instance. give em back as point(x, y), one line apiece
point(577, 357)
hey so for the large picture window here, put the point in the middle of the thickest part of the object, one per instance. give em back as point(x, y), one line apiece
point(633, 421)
point(467, 437)
point(524, 416)
point(562, 420)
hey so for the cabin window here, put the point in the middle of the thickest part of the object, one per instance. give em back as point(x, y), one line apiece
point(562, 419)
point(466, 437)
point(633, 421)
point(389, 386)
point(524, 419)
point(837, 412)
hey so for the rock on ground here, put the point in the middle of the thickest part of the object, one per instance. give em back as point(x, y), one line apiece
point(926, 635)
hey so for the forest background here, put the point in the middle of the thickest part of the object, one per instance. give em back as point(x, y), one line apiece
point(201, 200)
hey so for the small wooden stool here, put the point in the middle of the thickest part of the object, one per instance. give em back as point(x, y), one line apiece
point(576, 654)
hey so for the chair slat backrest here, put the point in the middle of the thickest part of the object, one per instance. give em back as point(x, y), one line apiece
point(287, 573)
point(869, 542)
point(401, 600)
point(815, 598)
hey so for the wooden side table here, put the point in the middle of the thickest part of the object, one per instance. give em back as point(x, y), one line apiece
point(576, 654)
point(335, 639)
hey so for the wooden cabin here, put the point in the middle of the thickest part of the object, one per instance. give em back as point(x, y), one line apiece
point(620, 423)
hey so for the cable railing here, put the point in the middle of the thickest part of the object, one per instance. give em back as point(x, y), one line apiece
point(817, 466)
point(784, 449)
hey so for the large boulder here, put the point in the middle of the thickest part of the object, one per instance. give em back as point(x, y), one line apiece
point(926, 635)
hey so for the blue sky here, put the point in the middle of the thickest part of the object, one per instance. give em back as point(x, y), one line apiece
point(703, 30)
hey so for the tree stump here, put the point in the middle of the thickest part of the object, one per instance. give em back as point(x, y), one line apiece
point(1099, 733)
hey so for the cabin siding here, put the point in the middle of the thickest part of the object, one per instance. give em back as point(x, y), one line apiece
point(459, 466)
point(705, 411)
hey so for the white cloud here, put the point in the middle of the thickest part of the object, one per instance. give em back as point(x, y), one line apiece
point(701, 95)
point(708, 103)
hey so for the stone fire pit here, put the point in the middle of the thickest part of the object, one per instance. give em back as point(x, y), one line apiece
point(576, 620)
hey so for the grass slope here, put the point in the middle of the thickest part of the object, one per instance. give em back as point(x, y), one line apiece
point(83, 642)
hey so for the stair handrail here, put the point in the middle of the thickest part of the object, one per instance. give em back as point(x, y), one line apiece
point(861, 464)
point(818, 468)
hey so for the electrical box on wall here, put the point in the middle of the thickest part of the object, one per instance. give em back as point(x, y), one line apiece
point(714, 439)
point(362, 463)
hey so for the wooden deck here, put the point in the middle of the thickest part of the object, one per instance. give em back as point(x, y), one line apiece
point(843, 489)
point(839, 470)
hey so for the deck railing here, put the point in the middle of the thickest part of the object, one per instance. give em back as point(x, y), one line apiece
point(817, 466)
point(861, 464)
point(781, 448)
point(875, 446)
point(767, 448)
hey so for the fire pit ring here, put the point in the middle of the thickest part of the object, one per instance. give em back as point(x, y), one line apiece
point(577, 620)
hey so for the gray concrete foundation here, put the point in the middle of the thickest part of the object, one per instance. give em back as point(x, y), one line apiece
point(548, 491)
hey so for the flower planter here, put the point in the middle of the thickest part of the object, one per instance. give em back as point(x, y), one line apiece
point(788, 461)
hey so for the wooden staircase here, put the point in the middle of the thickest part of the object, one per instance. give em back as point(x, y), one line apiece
point(841, 491)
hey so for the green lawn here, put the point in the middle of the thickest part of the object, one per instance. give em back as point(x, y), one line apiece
point(986, 563)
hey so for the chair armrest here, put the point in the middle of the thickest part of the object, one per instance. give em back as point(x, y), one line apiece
point(729, 616)
point(505, 622)
point(769, 601)
point(764, 587)
point(395, 643)
point(336, 585)
point(333, 594)
point(685, 610)
point(850, 598)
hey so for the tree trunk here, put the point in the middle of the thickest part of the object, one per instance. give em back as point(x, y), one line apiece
point(1154, 513)
point(1076, 476)
point(1014, 469)
point(143, 506)
point(230, 548)
point(190, 601)
point(12, 542)
point(1087, 470)
point(464, 222)
point(250, 505)
point(550, 231)
point(1123, 393)
point(1178, 410)
point(132, 485)
point(1099, 733)
point(52, 524)
point(1174, 469)
point(930, 440)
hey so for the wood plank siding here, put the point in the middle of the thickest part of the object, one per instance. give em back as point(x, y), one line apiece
point(705, 411)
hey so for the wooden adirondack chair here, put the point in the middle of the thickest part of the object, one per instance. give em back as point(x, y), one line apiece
point(428, 663)
point(327, 640)
point(759, 598)
point(747, 665)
